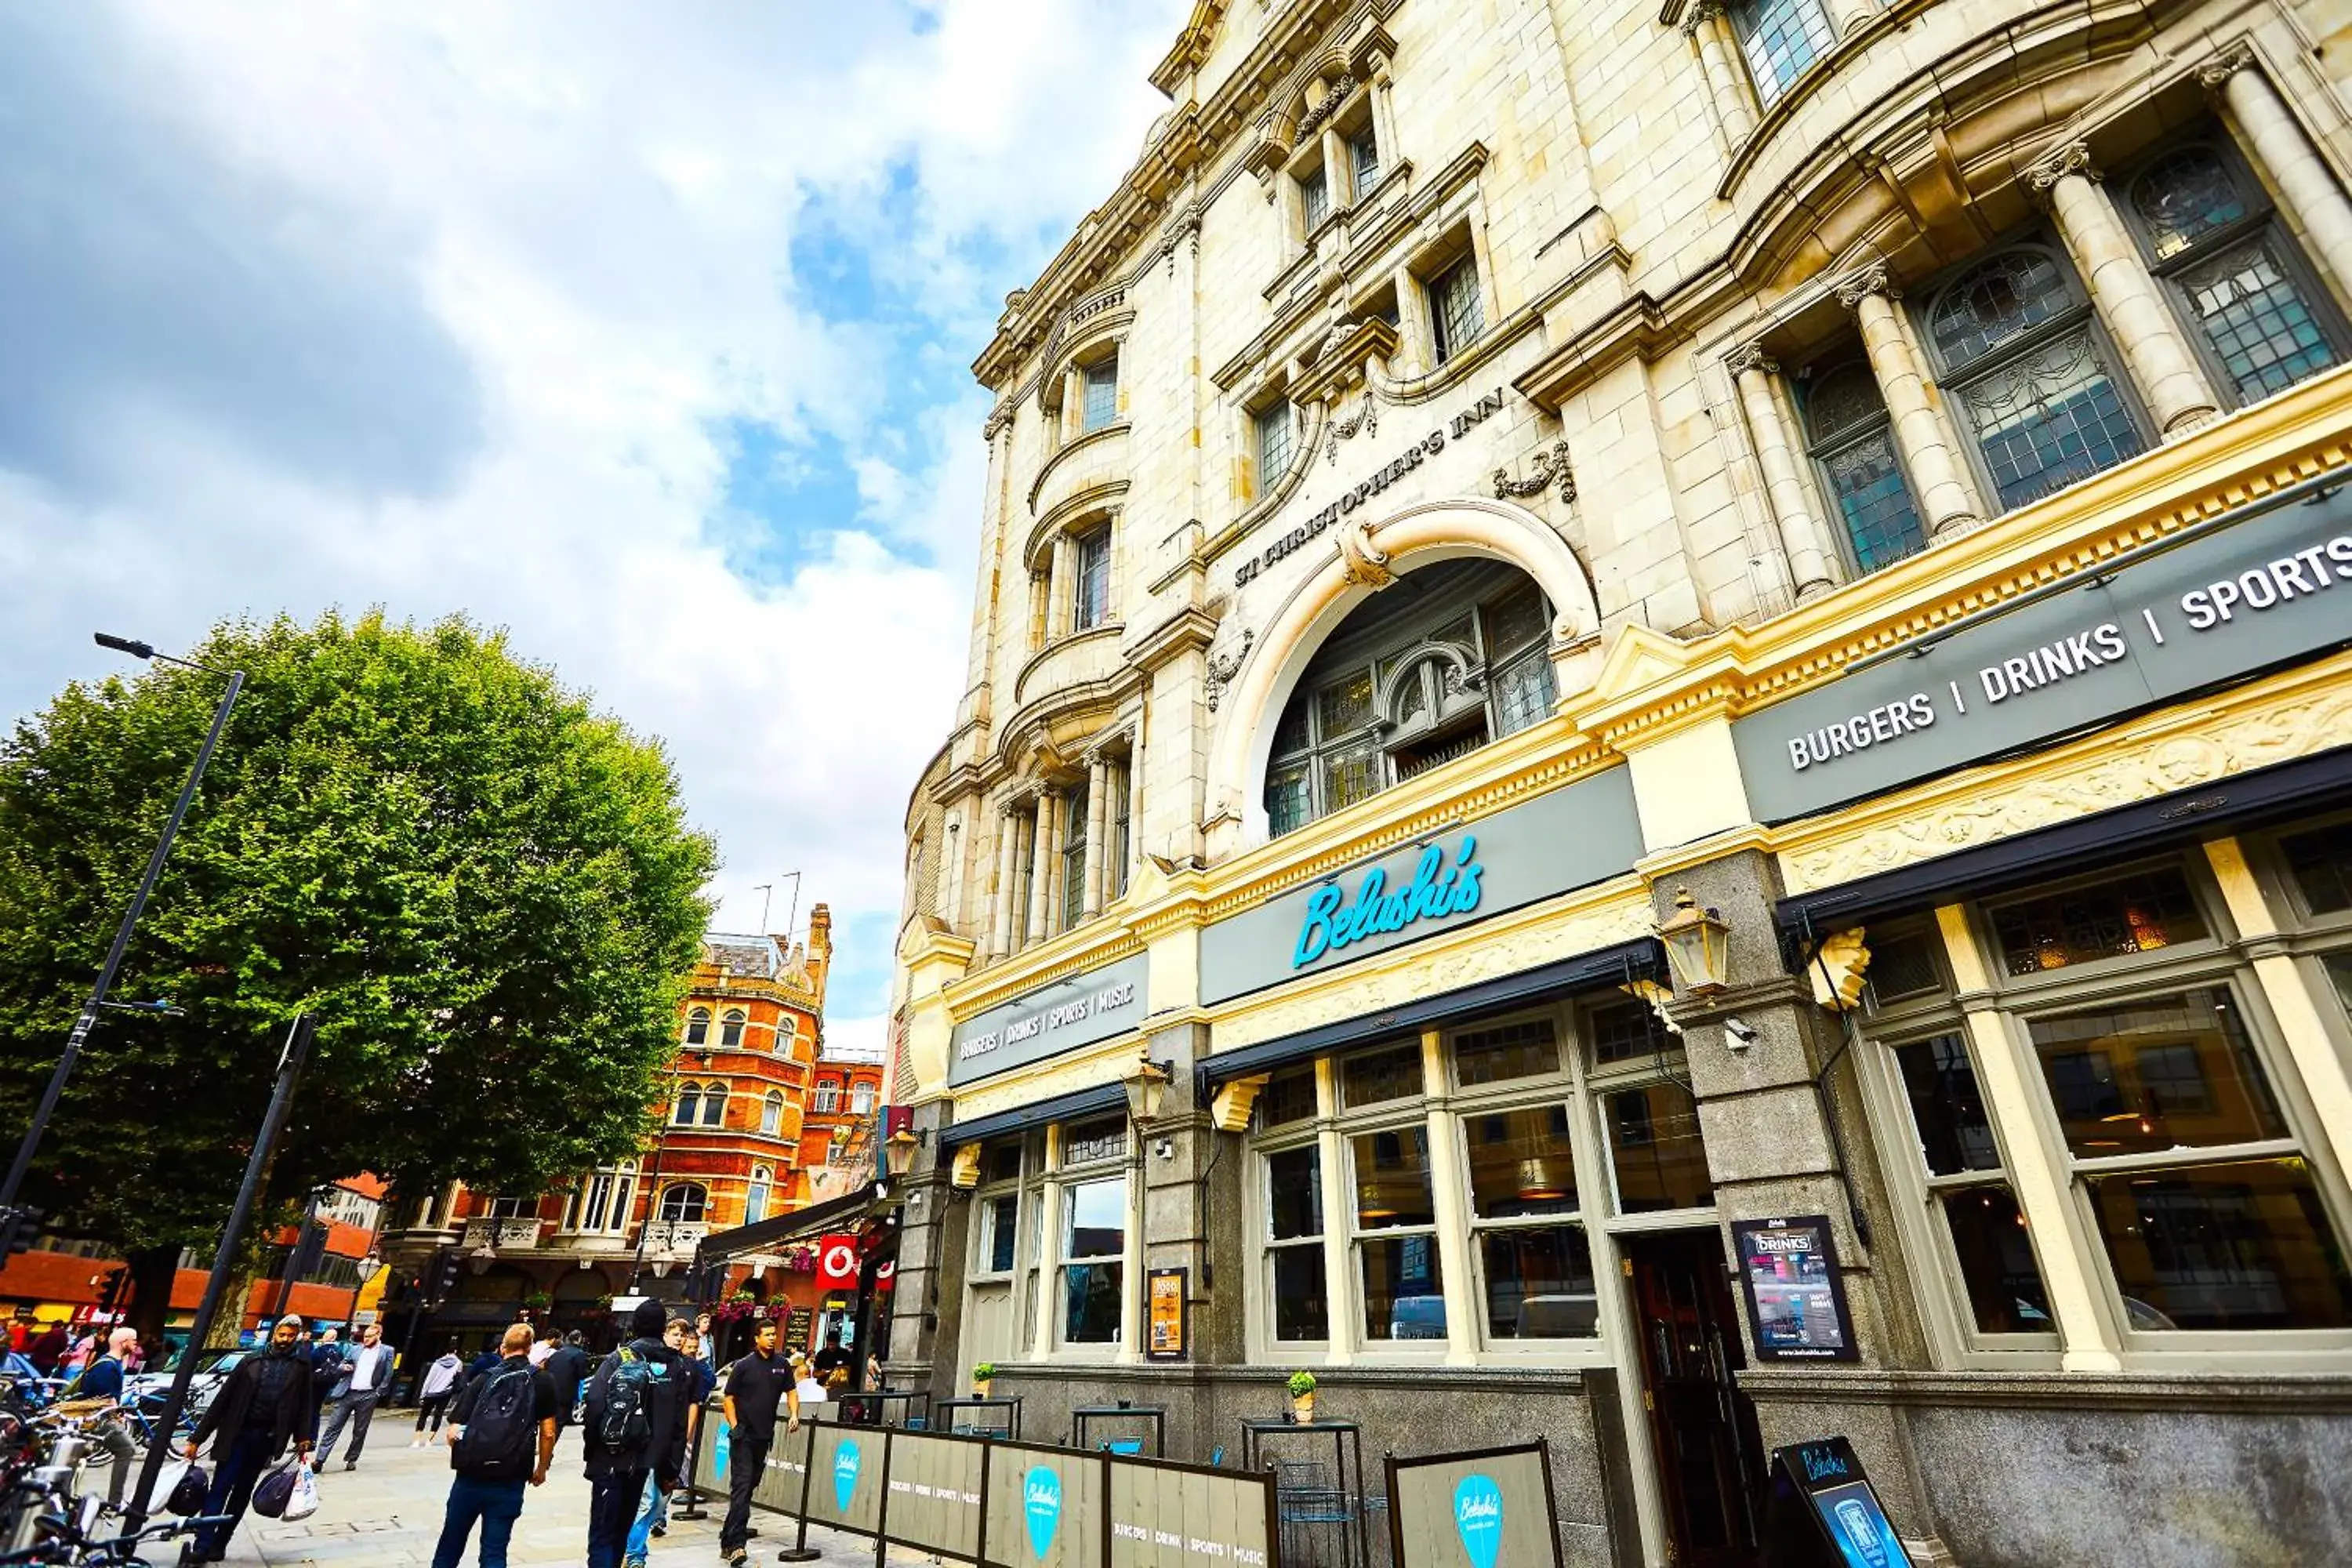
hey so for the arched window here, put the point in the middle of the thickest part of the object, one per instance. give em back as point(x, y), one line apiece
point(2029, 376)
point(688, 1107)
point(731, 1029)
point(697, 1027)
point(788, 1028)
point(2209, 233)
point(755, 1201)
point(685, 1203)
point(861, 1098)
point(771, 1113)
point(1450, 658)
point(828, 1097)
point(714, 1105)
point(1853, 442)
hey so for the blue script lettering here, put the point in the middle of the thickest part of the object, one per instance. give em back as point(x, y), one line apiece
point(1436, 890)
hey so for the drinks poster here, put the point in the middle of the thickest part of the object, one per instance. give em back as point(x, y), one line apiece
point(1795, 1298)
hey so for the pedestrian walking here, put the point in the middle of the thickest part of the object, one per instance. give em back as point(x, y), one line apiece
point(435, 1390)
point(102, 1379)
point(548, 1342)
point(264, 1405)
point(568, 1368)
point(326, 1353)
point(361, 1380)
point(756, 1386)
point(502, 1438)
point(635, 1431)
point(652, 1520)
point(49, 1349)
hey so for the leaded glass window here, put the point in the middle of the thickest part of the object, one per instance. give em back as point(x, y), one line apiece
point(2029, 376)
point(1101, 392)
point(1315, 197)
point(1090, 605)
point(1273, 444)
point(1781, 38)
point(1455, 313)
point(2209, 232)
point(1364, 155)
point(1853, 443)
point(1073, 858)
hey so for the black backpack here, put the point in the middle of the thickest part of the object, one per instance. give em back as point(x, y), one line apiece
point(499, 1443)
point(625, 1426)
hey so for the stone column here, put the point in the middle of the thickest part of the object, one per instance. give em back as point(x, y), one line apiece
point(1850, 17)
point(1801, 535)
point(1133, 782)
point(2124, 292)
point(1726, 78)
point(2312, 195)
point(999, 922)
point(1944, 500)
point(1045, 842)
point(1058, 591)
point(1097, 840)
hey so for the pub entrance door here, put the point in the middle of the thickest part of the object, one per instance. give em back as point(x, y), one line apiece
point(1709, 1453)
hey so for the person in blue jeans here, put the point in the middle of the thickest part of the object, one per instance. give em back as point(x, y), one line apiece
point(648, 1374)
point(493, 1469)
point(264, 1405)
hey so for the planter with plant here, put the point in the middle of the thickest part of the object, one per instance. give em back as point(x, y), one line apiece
point(1302, 1397)
point(539, 1301)
point(981, 1376)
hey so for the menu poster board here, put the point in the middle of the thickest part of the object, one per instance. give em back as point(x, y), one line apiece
point(1795, 1297)
point(1166, 1315)
point(800, 1331)
point(1824, 1510)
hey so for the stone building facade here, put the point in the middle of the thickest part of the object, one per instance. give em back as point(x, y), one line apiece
point(1492, 470)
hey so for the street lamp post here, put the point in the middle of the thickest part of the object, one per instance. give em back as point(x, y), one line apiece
point(9, 1215)
point(652, 1184)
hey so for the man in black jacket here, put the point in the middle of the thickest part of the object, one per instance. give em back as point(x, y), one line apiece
point(653, 1375)
point(265, 1405)
point(567, 1369)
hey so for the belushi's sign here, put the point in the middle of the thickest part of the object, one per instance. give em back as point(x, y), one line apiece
point(2271, 588)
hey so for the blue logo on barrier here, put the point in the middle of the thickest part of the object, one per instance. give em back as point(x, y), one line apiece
point(1436, 890)
point(1860, 1525)
point(1041, 1500)
point(1478, 1515)
point(844, 1474)
point(718, 1448)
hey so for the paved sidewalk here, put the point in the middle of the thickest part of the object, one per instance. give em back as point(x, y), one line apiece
point(387, 1514)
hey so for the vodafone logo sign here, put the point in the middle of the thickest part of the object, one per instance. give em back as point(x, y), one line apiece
point(836, 1261)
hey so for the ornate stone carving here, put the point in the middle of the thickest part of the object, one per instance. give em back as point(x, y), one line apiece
point(1223, 666)
point(2225, 65)
point(1366, 421)
point(1871, 280)
point(1232, 1107)
point(1363, 564)
point(965, 1175)
point(1340, 87)
point(1750, 356)
point(1700, 14)
point(2202, 750)
point(1845, 958)
point(1551, 466)
point(2073, 158)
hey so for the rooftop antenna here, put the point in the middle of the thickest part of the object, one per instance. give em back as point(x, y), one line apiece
point(766, 892)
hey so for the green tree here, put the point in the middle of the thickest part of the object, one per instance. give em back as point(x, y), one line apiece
point(486, 891)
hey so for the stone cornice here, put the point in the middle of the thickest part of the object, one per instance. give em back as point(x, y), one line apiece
point(1088, 946)
point(1188, 629)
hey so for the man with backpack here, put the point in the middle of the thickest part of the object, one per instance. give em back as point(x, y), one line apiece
point(634, 1428)
point(568, 1368)
point(501, 1436)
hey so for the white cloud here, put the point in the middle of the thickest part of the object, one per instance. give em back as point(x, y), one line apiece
point(454, 307)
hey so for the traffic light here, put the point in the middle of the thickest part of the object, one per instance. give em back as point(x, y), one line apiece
point(445, 1265)
point(22, 1227)
point(110, 1292)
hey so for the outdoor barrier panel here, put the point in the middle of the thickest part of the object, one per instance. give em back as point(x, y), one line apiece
point(706, 1464)
point(1047, 1507)
point(845, 1477)
point(1491, 1508)
point(1166, 1515)
point(936, 1485)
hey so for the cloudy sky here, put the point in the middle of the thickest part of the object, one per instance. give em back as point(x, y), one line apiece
point(642, 331)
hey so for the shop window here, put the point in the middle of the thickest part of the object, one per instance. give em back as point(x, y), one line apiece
point(1374, 1078)
point(2339, 969)
point(731, 1029)
point(1099, 393)
point(2003, 1282)
point(2320, 863)
point(1782, 40)
point(683, 1204)
point(697, 1027)
point(1295, 1280)
point(1903, 966)
point(1094, 1243)
point(2136, 912)
point(1001, 1163)
point(2029, 376)
point(1272, 426)
point(2170, 1072)
point(1410, 682)
point(1655, 1152)
point(1852, 442)
point(999, 1232)
point(1094, 1141)
point(1396, 1239)
point(2233, 272)
point(1289, 1097)
point(755, 1198)
point(1501, 1052)
point(2235, 1246)
point(1622, 1032)
point(1457, 315)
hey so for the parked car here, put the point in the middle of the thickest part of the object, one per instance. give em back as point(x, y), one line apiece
point(153, 1385)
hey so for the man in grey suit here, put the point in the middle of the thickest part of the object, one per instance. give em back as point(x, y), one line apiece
point(364, 1377)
